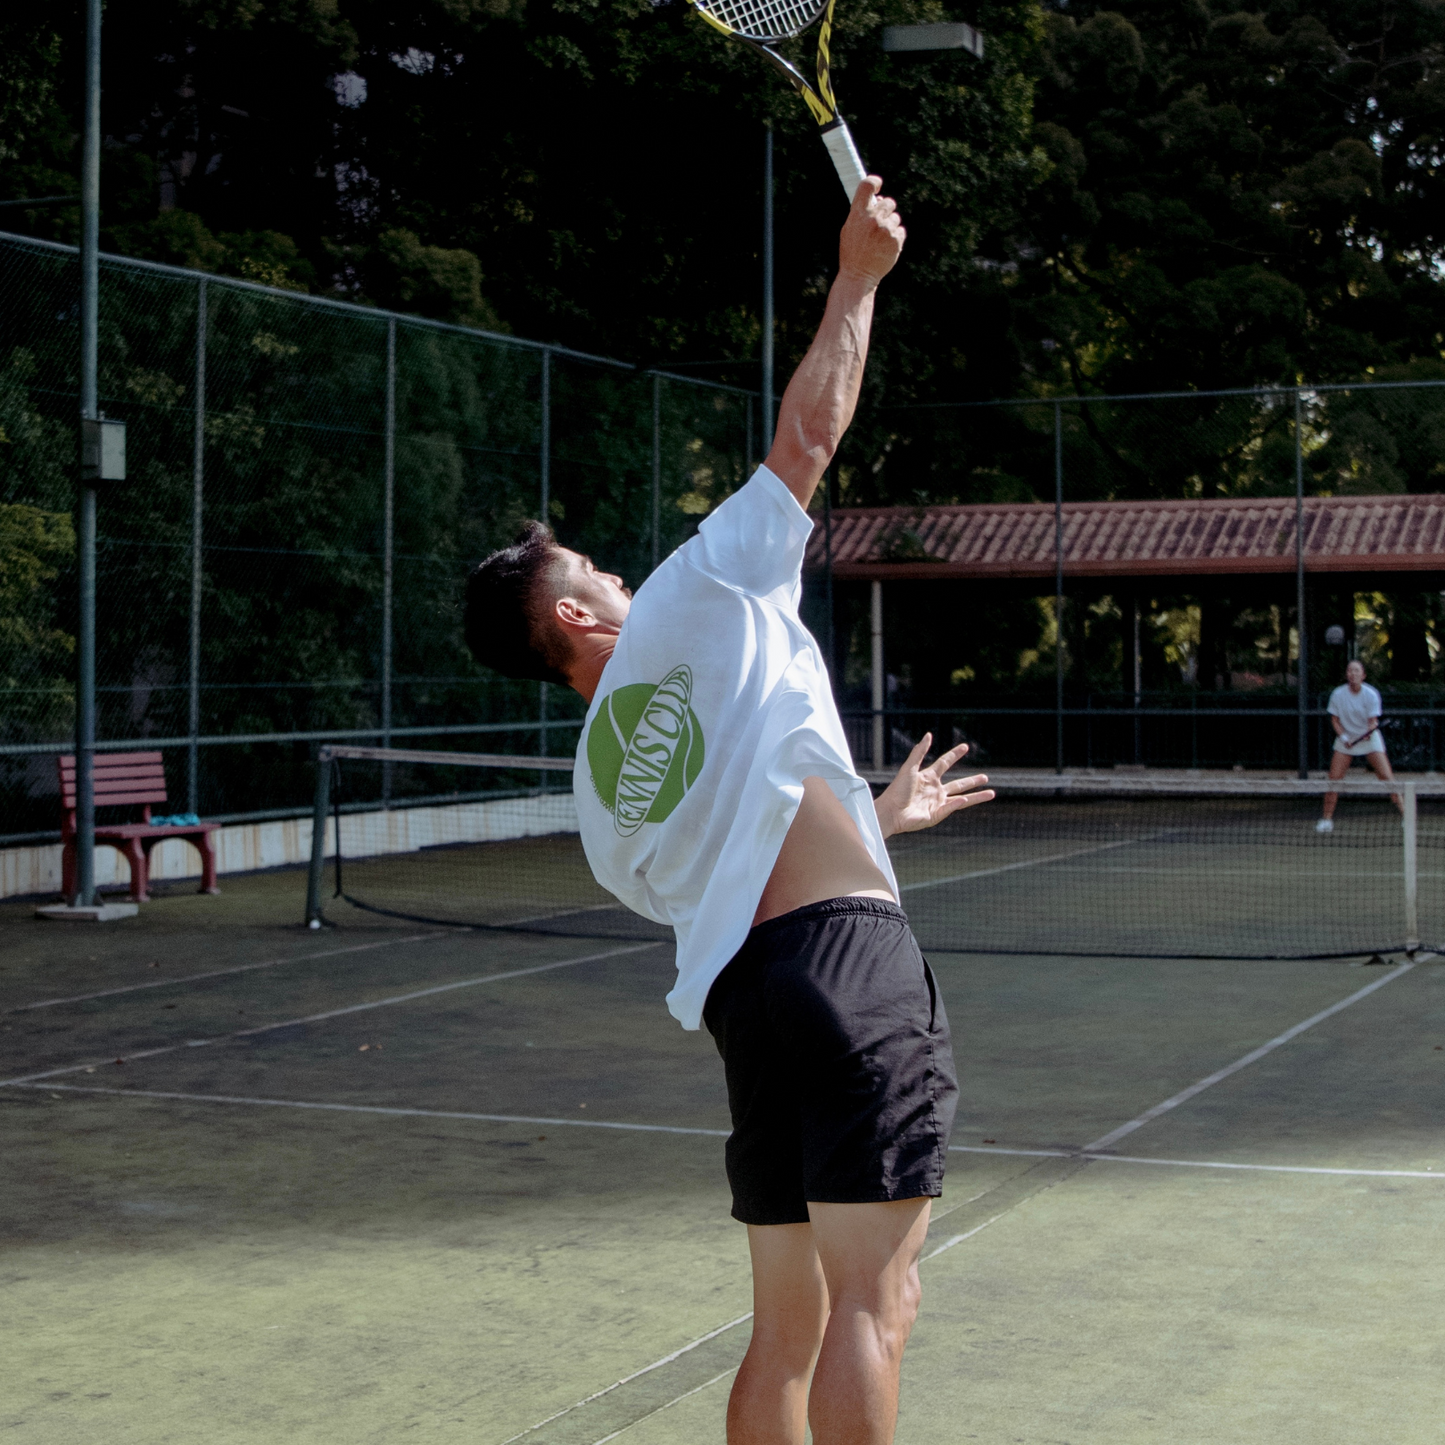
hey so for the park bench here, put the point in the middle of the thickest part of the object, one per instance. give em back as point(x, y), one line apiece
point(125, 780)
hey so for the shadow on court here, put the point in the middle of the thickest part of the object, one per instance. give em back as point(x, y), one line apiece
point(347, 1251)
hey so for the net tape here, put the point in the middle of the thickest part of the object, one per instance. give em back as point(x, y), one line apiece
point(763, 20)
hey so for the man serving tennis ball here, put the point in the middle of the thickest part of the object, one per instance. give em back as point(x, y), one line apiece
point(715, 792)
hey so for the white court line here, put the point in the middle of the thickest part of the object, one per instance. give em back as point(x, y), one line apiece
point(959, 1238)
point(395, 1112)
point(1253, 1056)
point(635, 1375)
point(1199, 1163)
point(686, 1395)
point(1026, 863)
point(329, 1014)
point(222, 972)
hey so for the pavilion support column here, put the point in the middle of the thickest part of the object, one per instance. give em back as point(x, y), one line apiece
point(880, 760)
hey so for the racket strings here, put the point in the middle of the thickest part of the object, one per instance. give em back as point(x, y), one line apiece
point(763, 19)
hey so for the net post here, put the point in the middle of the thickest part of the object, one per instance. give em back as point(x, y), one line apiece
point(1412, 877)
point(198, 486)
point(876, 669)
point(321, 807)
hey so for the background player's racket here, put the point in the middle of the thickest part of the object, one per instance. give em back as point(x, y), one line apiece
point(761, 24)
point(1385, 725)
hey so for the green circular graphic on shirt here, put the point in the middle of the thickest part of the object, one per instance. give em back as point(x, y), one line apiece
point(645, 750)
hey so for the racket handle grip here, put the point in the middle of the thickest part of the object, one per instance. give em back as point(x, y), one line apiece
point(839, 141)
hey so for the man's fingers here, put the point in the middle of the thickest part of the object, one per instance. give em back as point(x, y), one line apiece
point(966, 800)
point(868, 187)
point(919, 751)
point(948, 759)
point(966, 785)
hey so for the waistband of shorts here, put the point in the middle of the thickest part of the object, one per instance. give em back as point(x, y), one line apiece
point(832, 908)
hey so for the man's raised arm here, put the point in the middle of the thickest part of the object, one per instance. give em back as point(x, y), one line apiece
point(821, 397)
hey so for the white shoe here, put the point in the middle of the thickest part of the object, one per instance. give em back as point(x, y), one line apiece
point(1325, 825)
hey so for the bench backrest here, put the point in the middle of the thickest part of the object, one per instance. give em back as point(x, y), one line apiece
point(120, 778)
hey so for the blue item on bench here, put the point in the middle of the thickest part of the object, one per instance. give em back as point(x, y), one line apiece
point(176, 820)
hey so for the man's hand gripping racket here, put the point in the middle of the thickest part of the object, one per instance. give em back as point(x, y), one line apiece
point(761, 24)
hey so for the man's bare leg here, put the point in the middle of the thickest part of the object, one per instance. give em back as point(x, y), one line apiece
point(769, 1402)
point(1380, 763)
point(869, 1254)
point(1339, 766)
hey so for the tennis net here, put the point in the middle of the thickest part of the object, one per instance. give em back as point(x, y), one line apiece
point(1144, 866)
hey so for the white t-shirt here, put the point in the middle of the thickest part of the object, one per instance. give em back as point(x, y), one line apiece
point(713, 708)
point(1354, 710)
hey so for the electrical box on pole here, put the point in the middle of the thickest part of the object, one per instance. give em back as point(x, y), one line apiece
point(102, 450)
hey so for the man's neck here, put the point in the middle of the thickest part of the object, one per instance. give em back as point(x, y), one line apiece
point(590, 655)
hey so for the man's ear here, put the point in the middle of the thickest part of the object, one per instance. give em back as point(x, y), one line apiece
point(572, 613)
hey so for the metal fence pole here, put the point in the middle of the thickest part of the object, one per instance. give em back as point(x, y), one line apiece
point(198, 492)
point(545, 483)
point(1412, 914)
point(1058, 588)
point(656, 469)
point(85, 894)
point(829, 477)
point(1138, 685)
point(1302, 667)
point(879, 754)
point(767, 291)
point(388, 554)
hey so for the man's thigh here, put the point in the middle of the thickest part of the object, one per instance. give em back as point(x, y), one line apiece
point(870, 1252)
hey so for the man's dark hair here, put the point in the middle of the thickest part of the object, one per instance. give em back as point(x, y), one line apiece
point(505, 619)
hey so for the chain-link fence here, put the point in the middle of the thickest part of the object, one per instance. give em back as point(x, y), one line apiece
point(308, 481)
point(1162, 663)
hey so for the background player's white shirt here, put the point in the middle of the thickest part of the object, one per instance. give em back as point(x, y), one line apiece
point(713, 708)
point(1354, 710)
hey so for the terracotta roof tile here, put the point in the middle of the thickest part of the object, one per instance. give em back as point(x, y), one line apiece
point(1234, 535)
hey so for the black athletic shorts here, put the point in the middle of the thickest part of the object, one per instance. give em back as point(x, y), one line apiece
point(839, 1069)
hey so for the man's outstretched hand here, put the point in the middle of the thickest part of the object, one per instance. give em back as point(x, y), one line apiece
point(873, 235)
point(918, 797)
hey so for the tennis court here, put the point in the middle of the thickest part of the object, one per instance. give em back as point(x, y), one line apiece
point(396, 1179)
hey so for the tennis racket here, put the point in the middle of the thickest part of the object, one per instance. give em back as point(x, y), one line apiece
point(761, 24)
point(1385, 725)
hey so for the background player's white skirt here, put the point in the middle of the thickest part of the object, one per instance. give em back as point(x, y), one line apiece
point(1372, 744)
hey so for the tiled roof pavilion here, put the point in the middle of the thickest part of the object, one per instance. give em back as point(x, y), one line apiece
point(1240, 536)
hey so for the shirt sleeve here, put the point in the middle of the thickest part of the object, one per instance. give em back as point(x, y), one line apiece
point(1335, 703)
point(755, 540)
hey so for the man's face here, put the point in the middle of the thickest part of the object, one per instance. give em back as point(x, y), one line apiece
point(1355, 676)
point(601, 593)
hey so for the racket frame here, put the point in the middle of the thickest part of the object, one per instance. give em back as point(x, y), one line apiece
point(821, 103)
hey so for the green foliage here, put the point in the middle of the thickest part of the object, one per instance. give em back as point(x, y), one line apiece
point(1235, 198)
point(35, 545)
point(429, 281)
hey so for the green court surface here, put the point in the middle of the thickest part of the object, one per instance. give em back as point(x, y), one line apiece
point(360, 1185)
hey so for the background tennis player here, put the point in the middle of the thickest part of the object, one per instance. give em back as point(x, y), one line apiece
point(715, 792)
point(1355, 712)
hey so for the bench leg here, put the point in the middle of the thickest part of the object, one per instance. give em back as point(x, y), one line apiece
point(208, 864)
point(136, 856)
